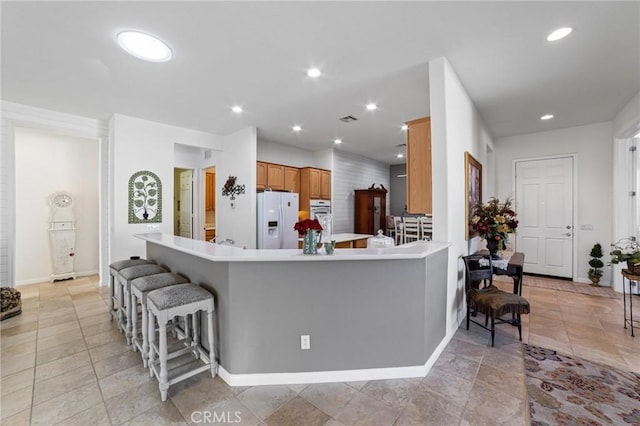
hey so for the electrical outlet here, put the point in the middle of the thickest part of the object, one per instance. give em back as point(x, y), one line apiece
point(153, 227)
point(305, 341)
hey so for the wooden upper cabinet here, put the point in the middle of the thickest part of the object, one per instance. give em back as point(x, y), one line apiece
point(261, 175)
point(292, 179)
point(419, 190)
point(315, 186)
point(325, 184)
point(275, 176)
point(210, 191)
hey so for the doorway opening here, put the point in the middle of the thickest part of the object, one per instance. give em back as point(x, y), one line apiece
point(209, 203)
point(183, 202)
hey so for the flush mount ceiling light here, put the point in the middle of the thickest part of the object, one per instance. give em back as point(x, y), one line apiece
point(400, 155)
point(404, 127)
point(546, 117)
point(559, 33)
point(236, 109)
point(337, 141)
point(313, 72)
point(144, 46)
point(296, 128)
point(371, 106)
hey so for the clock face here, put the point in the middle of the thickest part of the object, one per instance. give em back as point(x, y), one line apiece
point(62, 200)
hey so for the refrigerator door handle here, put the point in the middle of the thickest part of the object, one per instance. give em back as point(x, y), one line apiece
point(280, 226)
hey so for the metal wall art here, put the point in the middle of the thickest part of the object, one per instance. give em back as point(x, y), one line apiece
point(145, 198)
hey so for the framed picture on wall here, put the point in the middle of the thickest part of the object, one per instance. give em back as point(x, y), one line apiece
point(473, 187)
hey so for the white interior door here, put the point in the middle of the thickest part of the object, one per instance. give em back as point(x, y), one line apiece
point(544, 203)
point(186, 204)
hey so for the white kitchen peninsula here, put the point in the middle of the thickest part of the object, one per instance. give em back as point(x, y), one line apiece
point(370, 313)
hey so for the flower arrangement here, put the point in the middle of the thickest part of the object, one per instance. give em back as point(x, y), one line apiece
point(625, 250)
point(494, 221)
point(307, 225)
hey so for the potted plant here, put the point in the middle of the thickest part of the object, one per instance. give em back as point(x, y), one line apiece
point(626, 250)
point(595, 272)
point(494, 221)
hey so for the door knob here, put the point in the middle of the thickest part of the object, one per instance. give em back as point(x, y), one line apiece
point(568, 226)
point(568, 234)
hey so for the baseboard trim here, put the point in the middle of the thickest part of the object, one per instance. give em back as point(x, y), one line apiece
point(48, 278)
point(335, 376)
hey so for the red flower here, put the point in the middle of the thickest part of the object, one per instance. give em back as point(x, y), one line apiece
point(306, 225)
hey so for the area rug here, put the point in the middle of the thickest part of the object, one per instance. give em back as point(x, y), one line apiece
point(564, 285)
point(567, 390)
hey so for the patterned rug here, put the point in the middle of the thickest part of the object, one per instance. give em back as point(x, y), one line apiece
point(564, 285)
point(567, 390)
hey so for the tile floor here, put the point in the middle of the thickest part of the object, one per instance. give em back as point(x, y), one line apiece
point(63, 362)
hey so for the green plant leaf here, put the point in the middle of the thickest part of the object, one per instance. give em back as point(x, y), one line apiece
point(139, 185)
point(151, 201)
point(153, 192)
point(138, 203)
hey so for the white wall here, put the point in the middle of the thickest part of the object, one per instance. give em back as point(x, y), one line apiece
point(351, 171)
point(46, 163)
point(592, 144)
point(272, 152)
point(626, 123)
point(238, 158)
point(456, 127)
point(145, 145)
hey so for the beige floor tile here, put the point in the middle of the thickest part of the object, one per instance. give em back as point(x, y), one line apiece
point(108, 350)
point(297, 412)
point(199, 393)
point(9, 342)
point(66, 405)
point(357, 385)
point(60, 351)
point(18, 329)
point(45, 390)
point(62, 365)
point(395, 392)
point(23, 418)
point(94, 416)
point(428, 408)
point(330, 397)
point(95, 319)
point(488, 402)
point(62, 338)
point(135, 401)
point(16, 363)
point(124, 380)
point(457, 365)
point(455, 389)
point(17, 381)
point(264, 400)
point(103, 338)
point(117, 363)
point(231, 411)
point(98, 327)
point(365, 410)
point(165, 415)
point(52, 328)
point(15, 402)
point(18, 348)
point(509, 381)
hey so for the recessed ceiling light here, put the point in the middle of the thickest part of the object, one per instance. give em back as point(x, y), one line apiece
point(313, 72)
point(559, 33)
point(546, 117)
point(372, 106)
point(404, 127)
point(236, 108)
point(144, 46)
point(337, 141)
point(296, 128)
point(400, 155)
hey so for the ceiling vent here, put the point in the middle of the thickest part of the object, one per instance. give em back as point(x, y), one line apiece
point(348, 119)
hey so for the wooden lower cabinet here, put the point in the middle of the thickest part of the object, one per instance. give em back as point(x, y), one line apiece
point(209, 234)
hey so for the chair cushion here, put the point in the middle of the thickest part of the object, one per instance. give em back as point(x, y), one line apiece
point(121, 264)
point(134, 272)
point(177, 295)
point(494, 302)
point(154, 282)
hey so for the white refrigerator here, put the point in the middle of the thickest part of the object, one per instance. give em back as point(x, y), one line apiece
point(277, 214)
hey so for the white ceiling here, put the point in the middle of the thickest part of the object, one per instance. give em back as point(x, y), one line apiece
point(63, 56)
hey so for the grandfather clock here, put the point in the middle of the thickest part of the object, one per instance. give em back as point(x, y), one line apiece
point(62, 234)
point(370, 210)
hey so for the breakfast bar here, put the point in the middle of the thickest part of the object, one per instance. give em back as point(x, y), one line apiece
point(369, 313)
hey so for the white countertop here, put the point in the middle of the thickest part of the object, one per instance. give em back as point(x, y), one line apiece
point(226, 253)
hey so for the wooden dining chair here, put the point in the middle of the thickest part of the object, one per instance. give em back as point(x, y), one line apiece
point(426, 227)
point(490, 300)
point(411, 229)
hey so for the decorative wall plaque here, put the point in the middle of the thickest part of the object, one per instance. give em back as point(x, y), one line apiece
point(145, 198)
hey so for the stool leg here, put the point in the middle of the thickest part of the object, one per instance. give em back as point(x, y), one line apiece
point(134, 320)
point(111, 294)
point(195, 342)
point(212, 344)
point(127, 300)
point(164, 376)
point(519, 327)
point(493, 330)
point(120, 306)
point(152, 337)
point(145, 334)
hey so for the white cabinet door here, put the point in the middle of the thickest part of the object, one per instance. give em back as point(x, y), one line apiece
point(544, 203)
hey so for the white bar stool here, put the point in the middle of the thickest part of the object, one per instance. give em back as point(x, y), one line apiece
point(140, 288)
point(114, 268)
point(164, 304)
point(125, 276)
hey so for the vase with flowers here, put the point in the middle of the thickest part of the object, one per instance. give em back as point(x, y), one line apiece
point(494, 221)
point(626, 250)
point(309, 229)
